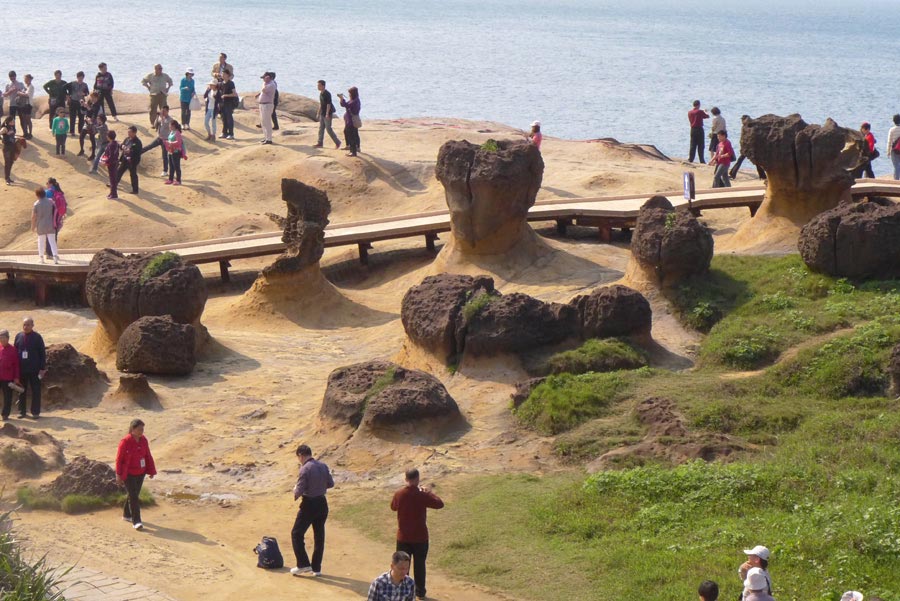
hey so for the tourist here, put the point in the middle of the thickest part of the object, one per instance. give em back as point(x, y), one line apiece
point(26, 109)
point(56, 90)
point(158, 84)
point(188, 92)
point(696, 117)
point(535, 136)
point(175, 147)
point(230, 102)
point(757, 557)
point(14, 94)
point(103, 85)
point(213, 98)
point(61, 207)
point(60, 127)
point(756, 586)
point(112, 165)
point(313, 482)
point(716, 125)
point(352, 121)
point(275, 103)
point(131, 158)
point(9, 372)
point(852, 596)
point(43, 223)
point(893, 146)
point(162, 125)
point(76, 92)
point(395, 584)
point(266, 98)
point(32, 363)
point(100, 130)
point(8, 134)
point(722, 159)
point(411, 504)
point(220, 66)
point(870, 152)
point(133, 462)
point(708, 591)
point(91, 108)
point(325, 116)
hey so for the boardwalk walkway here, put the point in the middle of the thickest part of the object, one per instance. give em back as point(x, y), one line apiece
point(82, 584)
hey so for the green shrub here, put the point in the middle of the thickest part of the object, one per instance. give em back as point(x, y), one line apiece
point(82, 503)
point(159, 264)
point(30, 498)
point(475, 304)
point(597, 355)
point(490, 145)
point(22, 579)
point(739, 345)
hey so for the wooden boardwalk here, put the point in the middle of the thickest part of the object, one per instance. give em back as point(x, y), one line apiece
point(82, 584)
point(605, 212)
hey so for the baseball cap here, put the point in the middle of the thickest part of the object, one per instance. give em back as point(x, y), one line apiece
point(189, 70)
point(535, 124)
point(852, 596)
point(269, 73)
point(759, 551)
point(756, 580)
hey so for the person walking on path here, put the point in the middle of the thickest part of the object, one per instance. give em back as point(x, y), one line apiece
point(230, 102)
point(112, 165)
point(175, 148)
point(133, 462)
point(162, 125)
point(55, 193)
point(411, 504)
point(312, 484)
point(716, 125)
point(103, 85)
point(893, 151)
point(325, 116)
point(696, 117)
point(8, 135)
point(9, 372)
point(158, 84)
point(100, 130)
point(722, 159)
point(76, 92)
point(60, 127)
point(188, 91)
point(213, 98)
point(395, 584)
point(26, 109)
point(43, 223)
point(266, 98)
point(220, 66)
point(535, 136)
point(757, 558)
point(32, 366)
point(870, 155)
point(131, 158)
point(352, 121)
point(56, 90)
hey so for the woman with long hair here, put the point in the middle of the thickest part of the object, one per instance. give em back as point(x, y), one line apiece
point(133, 462)
point(175, 148)
point(352, 121)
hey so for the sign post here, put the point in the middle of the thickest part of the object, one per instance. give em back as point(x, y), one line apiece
point(690, 192)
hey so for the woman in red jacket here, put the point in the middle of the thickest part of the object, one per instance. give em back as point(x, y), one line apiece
point(9, 371)
point(133, 462)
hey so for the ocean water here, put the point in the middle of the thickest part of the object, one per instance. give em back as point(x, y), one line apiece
point(626, 69)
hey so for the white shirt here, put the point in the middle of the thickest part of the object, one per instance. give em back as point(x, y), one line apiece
point(893, 135)
point(718, 124)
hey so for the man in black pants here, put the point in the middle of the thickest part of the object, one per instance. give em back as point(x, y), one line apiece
point(76, 92)
point(56, 90)
point(103, 85)
point(312, 484)
point(411, 504)
point(32, 366)
point(696, 117)
point(131, 157)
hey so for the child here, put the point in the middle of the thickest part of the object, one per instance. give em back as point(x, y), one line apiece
point(101, 130)
point(112, 165)
point(43, 214)
point(536, 137)
point(175, 148)
point(60, 128)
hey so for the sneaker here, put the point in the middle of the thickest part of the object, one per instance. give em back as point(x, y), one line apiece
point(168, 182)
point(9, 182)
point(298, 570)
point(116, 119)
point(22, 416)
point(56, 260)
point(337, 146)
point(187, 128)
point(176, 183)
point(317, 145)
point(42, 259)
point(138, 526)
point(266, 141)
point(231, 137)
point(164, 174)
point(126, 519)
point(223, 137)
point(316, 574)
point(80, 154)
point(276, 128)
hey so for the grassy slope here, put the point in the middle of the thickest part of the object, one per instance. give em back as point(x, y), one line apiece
point(821, 490)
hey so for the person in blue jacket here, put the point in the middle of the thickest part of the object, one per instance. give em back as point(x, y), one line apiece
point(32, 366)
point(188, 92)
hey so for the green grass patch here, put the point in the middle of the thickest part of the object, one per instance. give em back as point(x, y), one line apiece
point(23, 578)
point(383, 381)
point(490, 145)
point(33, 499)
point(475, 304)
point(159, 264)
point(598, 355)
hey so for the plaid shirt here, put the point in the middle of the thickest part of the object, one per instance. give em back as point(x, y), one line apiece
point(384, 589)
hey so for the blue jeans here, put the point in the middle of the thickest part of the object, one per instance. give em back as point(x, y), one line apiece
point(895, 160)
point(96, 166)
point(209, 122)
point(325, 125)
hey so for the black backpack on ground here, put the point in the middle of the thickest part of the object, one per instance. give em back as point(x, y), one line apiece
point(268, 555)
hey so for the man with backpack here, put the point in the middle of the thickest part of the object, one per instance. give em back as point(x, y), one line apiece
point(312, 484)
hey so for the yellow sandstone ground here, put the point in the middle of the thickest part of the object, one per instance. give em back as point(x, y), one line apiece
point(225, 478)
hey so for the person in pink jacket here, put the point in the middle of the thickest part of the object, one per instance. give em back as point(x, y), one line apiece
point(9, 371)
point(175, 148)
point(133, 462)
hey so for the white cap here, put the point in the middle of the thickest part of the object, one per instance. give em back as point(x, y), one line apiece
point(189, 70)
point(759, 551)
point(756, 580)
point(535, 124)
point(852, 596)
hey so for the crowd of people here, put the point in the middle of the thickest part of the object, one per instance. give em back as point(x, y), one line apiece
point(723, 155)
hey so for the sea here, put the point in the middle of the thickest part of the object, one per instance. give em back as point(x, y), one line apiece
point(623, 69)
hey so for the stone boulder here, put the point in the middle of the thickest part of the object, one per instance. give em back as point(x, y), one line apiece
point(517, 322)
point(119, 292)
point(157, 345)
point(84, 476)
point(808, 167)
point(72, 377)
point(613, 311)
point(27, 452)
point(854, 240)
point(524, 389)
point(432, 311)
point(489, 192)
point(304, 228)
point(670, 244)
point(381, 395)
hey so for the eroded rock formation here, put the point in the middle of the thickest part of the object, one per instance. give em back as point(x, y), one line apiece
point(28, 453)
point(157, 345)
point(72, 377)
point(613, 311)
point(516, 322)
point(304, 228)
point(84, 476)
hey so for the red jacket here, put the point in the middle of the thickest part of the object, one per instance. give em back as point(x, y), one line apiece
point(133, 457)
point(411, 505)
point(9, 363)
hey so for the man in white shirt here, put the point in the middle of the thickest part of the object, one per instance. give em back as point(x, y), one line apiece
point(266, 99)
point(893, 137)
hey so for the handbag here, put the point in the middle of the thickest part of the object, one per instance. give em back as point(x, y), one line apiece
point(874, 155)
point(104, 159)
point(195, 103)
point(355, 120)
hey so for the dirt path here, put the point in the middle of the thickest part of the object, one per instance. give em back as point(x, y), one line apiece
point(788, 354)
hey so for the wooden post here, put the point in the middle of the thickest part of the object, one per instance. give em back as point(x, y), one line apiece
point(562, 225)
point(364, 252)
point(40, 292)
point(754, 208)
point(223, 270)
point(429, 242)
point(605, 233)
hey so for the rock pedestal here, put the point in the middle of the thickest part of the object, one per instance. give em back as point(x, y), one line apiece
point(157, 345)
point(304, 228)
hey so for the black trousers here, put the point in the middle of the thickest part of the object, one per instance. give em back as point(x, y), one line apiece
point(313, 512)
point(185, 113)
point(418, 552)
point(351, 138)
point(132, 509)
point(227, 120)
point(8, 160)
point(107, 96)
point(75, 114)
point(132, 170)
point(24, 113)
point(697, 144)
point(175, 166)
point(7, 397)
point(33, 382)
